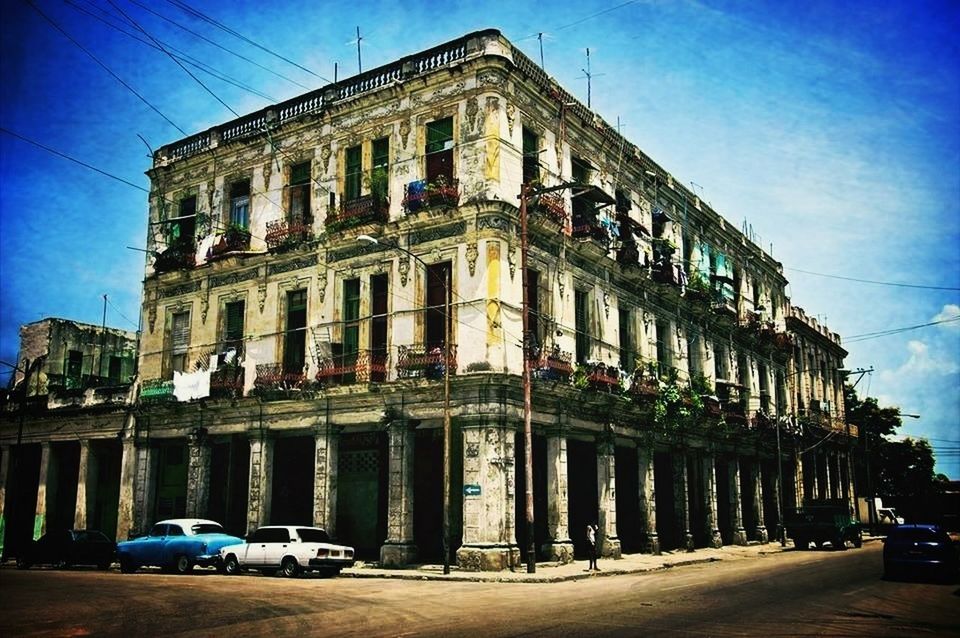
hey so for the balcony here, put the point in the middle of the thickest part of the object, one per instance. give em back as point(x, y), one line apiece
point(364, 366)
point(176, 257)
point(363, 210)
point(283, 234)
point(554, 366)
point(226, 382)
point(587, 227)
point(644, 388)
point(420, 194)
point(234, 240)
point(664, 272)
point(419, 361)
point(603, 378)
point(156, 391)
point(272, 377)
point(551, 207)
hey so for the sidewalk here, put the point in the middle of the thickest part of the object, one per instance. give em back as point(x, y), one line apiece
point(556, 572)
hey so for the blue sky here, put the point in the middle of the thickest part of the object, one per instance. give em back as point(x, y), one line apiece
point(832, 129)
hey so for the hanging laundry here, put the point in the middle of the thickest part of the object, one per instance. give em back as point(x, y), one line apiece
point(188, 386)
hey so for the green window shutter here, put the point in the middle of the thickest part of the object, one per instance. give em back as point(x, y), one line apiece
point(234, 322)
point(440, 135)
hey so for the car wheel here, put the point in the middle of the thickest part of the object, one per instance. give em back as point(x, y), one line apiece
point(23, 563)
point(289, 568)
point(104, 566)
point(800, 543)
point(858, 540)
point(182, 564)
point(127, 566)
point(231, 566)
point(839, 543)
point(819, 544)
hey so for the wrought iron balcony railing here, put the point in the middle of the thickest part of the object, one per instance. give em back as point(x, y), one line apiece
point(422, 361)
point(420, 194)
point(176, 257)
point(226, 382)
point(363, 210)
point(364, 366)
point(553, 208)
point(554, 366)
point(272, 376)
point(287, 233)
point(156, 390)
point(234, 240)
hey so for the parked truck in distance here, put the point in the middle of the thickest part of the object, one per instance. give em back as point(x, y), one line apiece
point(826, 521)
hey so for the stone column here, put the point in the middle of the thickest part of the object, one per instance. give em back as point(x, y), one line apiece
point(126, 504)
point(608, 543)
point(710, 500)
point(772, 492)
point(399, 549)
point(681, 500)
point(737, 532)
point(147, 470)
point(198, 475)
point(648, 501)
point(261, 480)
point(86, 487)
point(488, 531)
point(850, 486)
point(5, 465)
point(760, 528)
point(40, 517)
point(798, 479)
point(559, 546)
point(325, 466)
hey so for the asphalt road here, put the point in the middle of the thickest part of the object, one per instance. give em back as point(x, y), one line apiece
point(788, 594)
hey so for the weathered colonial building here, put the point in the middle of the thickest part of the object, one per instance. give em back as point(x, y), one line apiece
point(670, 366)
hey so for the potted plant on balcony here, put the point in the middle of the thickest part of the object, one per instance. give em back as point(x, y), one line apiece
point(441, 191)
point(380, 189)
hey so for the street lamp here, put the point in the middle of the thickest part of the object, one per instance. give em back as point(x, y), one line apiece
point(369, 239)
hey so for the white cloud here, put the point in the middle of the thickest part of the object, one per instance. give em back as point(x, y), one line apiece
point(950, 311)
point(921, 362)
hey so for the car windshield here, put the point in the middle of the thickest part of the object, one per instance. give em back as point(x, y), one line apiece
point(916, 535)
point(91, 537)
point(207, 528)
point(313, 535)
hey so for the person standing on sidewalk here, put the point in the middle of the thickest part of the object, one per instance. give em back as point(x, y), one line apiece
point(592, 546)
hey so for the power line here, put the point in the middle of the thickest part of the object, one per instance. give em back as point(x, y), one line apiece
point(581, 20)
point(190, 10)
point(218, 45)
point(870, 281)
point(173, 57)
point(220, 75)
point(104, 66)
point(885, 333)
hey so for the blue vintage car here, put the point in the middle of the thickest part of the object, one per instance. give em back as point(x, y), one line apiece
point(176, 545)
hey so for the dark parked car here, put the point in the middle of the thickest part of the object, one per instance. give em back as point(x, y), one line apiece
point(919, 550)
point(68, 547)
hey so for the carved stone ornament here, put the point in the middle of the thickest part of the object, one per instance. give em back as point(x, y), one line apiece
point(262, 296)
point(606, 304)
point(325, 153)
point(511, 117)
point(404, 267)
point(561, 279)
point(267, 170)
point(512, 262)
point(404, 132)
point(472, 254)
point(322, 282)
point(204, 305)
point(152, 315)
point(490, 77)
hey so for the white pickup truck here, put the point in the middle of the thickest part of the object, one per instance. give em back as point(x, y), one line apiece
point(289, 549)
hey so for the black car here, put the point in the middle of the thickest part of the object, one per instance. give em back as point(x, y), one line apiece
point(69, 547)
point(919, 550)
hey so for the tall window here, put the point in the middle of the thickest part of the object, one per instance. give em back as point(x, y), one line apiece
point(764, 387)
point(114, 369)
point(533, 305)
point(379, 290)
point(351, 318)
point(628, 358)
point(240, 203)
point(354, 174)
point(440, 150)
point(233, 325)
point(380, 175)
point(531, 157)
point(582, 209)
point(300, 191)
point(295, 337)
point(438, 279)
point(743, 379)
point(582, 323)
point(694, 361)
point(721, 367)
point(664, 347)
point(179, 341)
point(184, 226)
point(74, 365)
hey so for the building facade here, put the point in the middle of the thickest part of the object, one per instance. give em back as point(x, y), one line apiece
point(290, 372)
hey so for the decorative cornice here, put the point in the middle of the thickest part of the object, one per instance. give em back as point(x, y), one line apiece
point(294, 264)
point(227, 279)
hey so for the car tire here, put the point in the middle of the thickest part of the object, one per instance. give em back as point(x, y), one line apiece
point(182, 564)
point(289, 567)
point(127, 566)
point(231, 566)
point(801, 543)
point(858, 540)
point(818, 543)
point(104, 566)
point(839, 543)
point(23, 563)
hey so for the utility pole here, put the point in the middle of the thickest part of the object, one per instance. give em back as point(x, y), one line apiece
point(446, 421)
point(527, 408)
point(103, 338)
point(359, 65)
point(540, 37)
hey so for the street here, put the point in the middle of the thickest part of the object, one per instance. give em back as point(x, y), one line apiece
point(792, 593)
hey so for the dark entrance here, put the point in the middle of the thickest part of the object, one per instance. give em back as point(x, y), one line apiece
point(696, 487)
point(107, 456)
point(292, 493)
point(21, 500)
point(62, 474)
point(746, 500)
point(539, 494)
point(229, 480)
point(628, 503)
point(171, 501)
point(582, 487)
point(428, 495)
point(667, 524)
point(723, 501)
point(362, 492)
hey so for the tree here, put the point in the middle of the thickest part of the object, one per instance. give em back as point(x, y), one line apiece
point(899, 471)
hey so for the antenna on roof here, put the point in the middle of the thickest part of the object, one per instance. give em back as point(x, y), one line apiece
point(589, 77)
point(540, 37)
point(359, 65)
